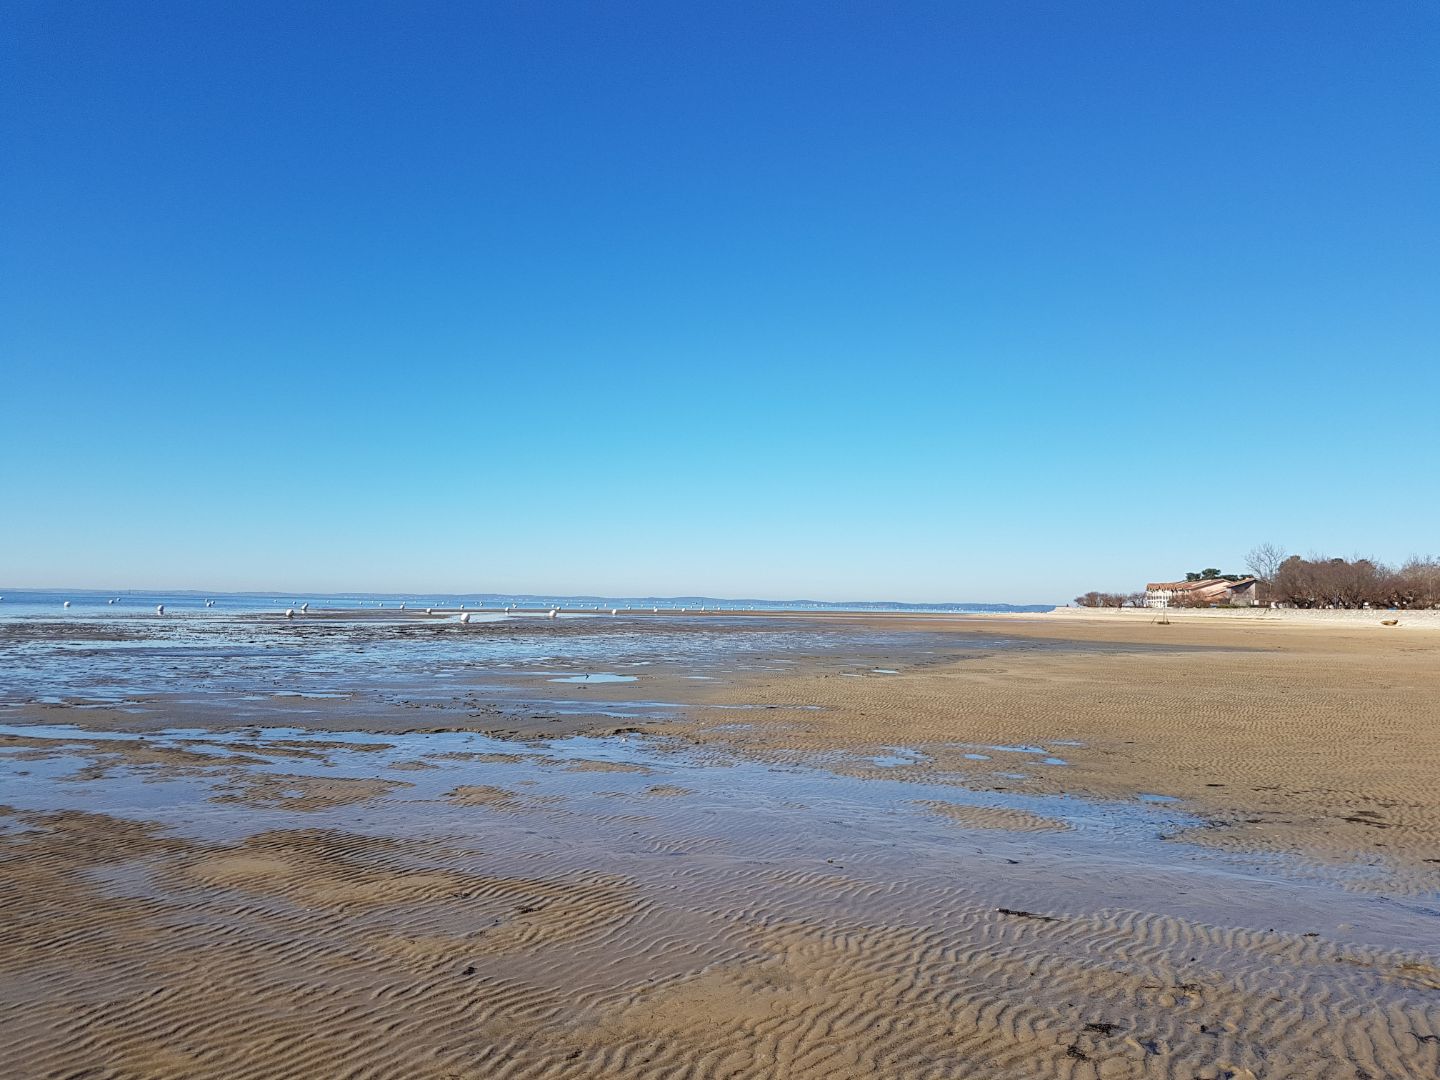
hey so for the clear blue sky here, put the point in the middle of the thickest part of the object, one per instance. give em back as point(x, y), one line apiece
point(946, 301)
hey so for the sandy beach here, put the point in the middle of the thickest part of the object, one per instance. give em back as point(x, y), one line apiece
point(1300, 735)
point(992, 846)
point(534, 532)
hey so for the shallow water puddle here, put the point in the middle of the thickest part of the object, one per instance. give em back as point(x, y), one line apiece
point(624, 799)
point(600, 677)
point(1045, 756)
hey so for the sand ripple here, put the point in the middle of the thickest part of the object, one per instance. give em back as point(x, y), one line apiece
point(316, 953)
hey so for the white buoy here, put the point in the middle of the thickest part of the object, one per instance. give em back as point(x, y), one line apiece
point(289, 613)
point(159, 609)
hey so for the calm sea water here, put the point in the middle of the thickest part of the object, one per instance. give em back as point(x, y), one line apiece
point(17, 603)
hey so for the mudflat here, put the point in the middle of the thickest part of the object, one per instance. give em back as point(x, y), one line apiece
point(903, 847)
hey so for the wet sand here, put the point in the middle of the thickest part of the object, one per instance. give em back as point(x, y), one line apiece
point(970, 867)
point(1314, 739)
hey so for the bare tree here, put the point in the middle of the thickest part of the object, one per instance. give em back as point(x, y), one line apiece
point(1322, 582)
point(1105, 599)
point(1414, 585)
point(1264, 560)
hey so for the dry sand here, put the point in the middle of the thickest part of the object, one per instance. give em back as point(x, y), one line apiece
point(544, 942)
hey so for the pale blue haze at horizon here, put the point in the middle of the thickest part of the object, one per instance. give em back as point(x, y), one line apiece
point(980, 304)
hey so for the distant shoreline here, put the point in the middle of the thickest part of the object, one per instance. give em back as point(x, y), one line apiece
point(565, 601)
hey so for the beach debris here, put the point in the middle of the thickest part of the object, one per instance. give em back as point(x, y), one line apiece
point(1367, 817)
point(1026, 914)
point(1389, 622)
point(1102, 1027)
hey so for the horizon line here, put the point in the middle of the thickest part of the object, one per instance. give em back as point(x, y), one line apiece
point(411, 594)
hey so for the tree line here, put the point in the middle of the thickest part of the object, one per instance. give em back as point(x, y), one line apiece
point(1316, 581)
point(1111, 599)
point(1320, 582)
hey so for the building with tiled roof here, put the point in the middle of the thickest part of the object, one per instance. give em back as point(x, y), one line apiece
point(1242, 592)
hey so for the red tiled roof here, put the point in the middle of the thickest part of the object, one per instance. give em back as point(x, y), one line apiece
point(1191, 586)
